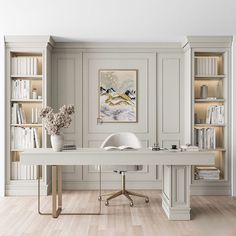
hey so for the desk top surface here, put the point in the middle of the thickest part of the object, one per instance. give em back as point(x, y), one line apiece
point(98, 156)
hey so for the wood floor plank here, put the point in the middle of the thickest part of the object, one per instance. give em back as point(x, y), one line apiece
point(211, 215)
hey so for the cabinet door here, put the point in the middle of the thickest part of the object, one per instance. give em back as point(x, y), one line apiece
point(145, 127)
point(170, 99)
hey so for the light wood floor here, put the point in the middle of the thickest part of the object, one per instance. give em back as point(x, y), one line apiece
point(211, 215)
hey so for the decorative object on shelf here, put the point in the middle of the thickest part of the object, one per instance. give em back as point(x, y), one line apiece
point(156, 147)
point(34, 93)
point(117, 95)
point(204, 91)
point(57, 142)
point(174, 146)
point(54, 122)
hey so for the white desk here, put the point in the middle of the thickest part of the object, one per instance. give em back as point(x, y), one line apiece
point(176, 171)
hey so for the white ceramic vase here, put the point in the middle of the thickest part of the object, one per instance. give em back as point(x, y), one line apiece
point(57, 142)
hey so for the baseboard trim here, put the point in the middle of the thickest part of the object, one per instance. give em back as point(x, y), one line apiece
point(210, 190)
point(94, 185)
point(14, 190)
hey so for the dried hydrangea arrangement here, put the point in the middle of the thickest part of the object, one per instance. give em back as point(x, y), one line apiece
point(54, 122)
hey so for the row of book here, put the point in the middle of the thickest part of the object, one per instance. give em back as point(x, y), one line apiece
point(205, 138)
point(207, 173)
point(22, 138)
point(18, 115)
point(20, 89)
point(23, 172)
point(206, 65)
point(24, 65)
point(215, 115)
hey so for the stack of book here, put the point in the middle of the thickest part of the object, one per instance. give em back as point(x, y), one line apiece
point(215, 115)
point(207, 173)
point(21, 89)
point(206, 65)
point(18, 115)
point(205, 138)
point(24, 65)
point(189, 148)
point(23, 172)
point(22, 138)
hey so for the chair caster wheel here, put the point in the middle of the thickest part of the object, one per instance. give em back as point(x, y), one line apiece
point(147, 200)
point(106, 203)
point(99, 198)
point(131, 204)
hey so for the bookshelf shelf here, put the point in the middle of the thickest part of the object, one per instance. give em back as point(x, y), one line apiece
point(209, 77)
point(199, 100)
point(27, 100)
point(27, 125)
point(209, 125)
point(27, 76)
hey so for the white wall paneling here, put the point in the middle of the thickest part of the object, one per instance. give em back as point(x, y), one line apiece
point(170, 99)
point(145, 127)
point(67, 89)
point(75, 75)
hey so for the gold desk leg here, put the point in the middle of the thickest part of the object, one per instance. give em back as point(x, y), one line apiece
point(56, 210)
point(57, 193)
point(59, 186)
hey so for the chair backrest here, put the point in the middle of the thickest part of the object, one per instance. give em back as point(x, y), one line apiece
point(122, 138)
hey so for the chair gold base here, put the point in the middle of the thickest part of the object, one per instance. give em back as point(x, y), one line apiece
point(124, 192)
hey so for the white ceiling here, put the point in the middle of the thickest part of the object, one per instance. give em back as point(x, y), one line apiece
point(118, 20)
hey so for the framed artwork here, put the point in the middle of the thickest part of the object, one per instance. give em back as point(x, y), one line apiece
point(118, 95)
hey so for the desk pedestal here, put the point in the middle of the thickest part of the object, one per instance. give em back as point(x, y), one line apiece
point(175, 192)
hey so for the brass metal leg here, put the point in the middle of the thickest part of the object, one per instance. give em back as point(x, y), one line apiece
point(125, 192)
point(136, 194)
point(115, 195)
point(57, 194)
point(59, 186)
point(127, 195)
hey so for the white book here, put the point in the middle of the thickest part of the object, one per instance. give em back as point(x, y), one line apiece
point(209, 114)
point(31, 172)
point(36, 138)
point(35, 66)
point(24, 121)
point(206, 65)
point(32, 141)
point(13, 114)
point(28, 66)
point(31, 66)
point(35, 172)
point(13, 65)
point(200, 138)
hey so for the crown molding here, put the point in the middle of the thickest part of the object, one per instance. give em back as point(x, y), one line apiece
point(28, 39)
point(208, 41)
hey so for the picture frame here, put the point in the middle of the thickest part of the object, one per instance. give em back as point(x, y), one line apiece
point(117, 95)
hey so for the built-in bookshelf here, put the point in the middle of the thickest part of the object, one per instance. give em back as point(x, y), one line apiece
point(207, 113)
point(210, 126)
point(26, 101)
point(28, 78)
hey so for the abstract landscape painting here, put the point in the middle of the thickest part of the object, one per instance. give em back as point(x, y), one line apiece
point(117, 95)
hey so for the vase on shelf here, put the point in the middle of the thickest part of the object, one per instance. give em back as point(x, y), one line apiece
point(57, 142)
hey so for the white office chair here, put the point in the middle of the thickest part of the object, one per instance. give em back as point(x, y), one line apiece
point(119, 139)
